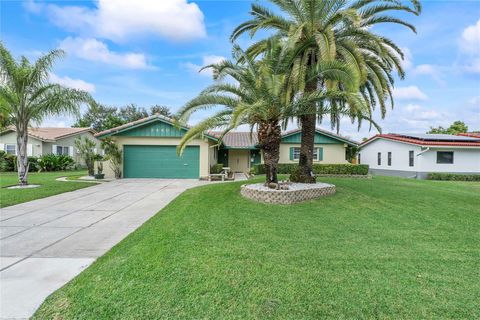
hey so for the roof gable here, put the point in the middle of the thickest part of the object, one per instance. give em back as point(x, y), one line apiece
point(153, 126)
point(321, 137)
point(52, 134)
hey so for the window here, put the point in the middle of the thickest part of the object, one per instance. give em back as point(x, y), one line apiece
point(11, 149)
point(359, 158)
point(62, 150)
point(316, 154)
point(379, 158)
point(411, 158)
point(445, 157)
point(389, 158)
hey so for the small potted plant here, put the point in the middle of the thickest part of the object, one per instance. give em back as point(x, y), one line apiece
point(99, 174)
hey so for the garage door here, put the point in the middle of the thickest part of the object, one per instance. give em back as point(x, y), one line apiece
point(160, 162)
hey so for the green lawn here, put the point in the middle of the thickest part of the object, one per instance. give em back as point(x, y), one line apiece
point(386, 248)
point(48, 186)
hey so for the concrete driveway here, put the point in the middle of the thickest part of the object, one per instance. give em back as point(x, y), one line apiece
point(46, 242)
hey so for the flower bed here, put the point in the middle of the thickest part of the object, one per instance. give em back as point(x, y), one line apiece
point(297, 192)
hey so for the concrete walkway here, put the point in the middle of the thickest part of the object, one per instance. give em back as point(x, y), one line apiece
point(46, 242)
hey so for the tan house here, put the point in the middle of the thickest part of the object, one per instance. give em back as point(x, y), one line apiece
point(43, 141)
point(149, 149)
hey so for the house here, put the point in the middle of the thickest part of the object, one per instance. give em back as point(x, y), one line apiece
point(43, 141)
point(149, 149)
point(416, 155)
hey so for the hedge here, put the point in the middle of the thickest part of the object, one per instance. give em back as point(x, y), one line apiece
point(453, 177)
point(343, 169)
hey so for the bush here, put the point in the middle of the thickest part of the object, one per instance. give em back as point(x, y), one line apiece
point(453, 177)
point(8, 162)
point(54, 162)
point(344, 169)
point(216, 168)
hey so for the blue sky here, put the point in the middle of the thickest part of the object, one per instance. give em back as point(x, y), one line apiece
point(148, 52)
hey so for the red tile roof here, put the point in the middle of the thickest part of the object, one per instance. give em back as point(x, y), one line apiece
point(470, 134)
point(420, 142)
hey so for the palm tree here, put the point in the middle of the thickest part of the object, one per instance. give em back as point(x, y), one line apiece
point(26, 96)
point(319, 30)
point(260, 97)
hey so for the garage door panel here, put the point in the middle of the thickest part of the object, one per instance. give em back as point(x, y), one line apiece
point(161, 162)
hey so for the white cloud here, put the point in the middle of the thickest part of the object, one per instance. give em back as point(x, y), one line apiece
point(407, 62)
point(430, 70)
point(470, 45)
point(95, 50)
point(206, 60)
point(412, 107)
point(120, 20)
point(409, 93)
point(72, 83)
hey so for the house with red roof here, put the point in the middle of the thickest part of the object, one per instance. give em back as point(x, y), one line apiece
point(416, 155)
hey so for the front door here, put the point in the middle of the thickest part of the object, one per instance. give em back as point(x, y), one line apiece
point(239, 160)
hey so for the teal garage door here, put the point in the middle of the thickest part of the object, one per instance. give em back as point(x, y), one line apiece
point(160, 162)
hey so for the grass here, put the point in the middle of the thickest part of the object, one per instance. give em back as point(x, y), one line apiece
point(386, 248)
point(48, 186)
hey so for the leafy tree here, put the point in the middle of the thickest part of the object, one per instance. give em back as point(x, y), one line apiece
point(26, 96)
point(100, 117)
point(455, 128)
point(86, 149)
point(326, 31)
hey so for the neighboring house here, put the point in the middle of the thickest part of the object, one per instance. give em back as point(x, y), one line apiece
point(416, 155)
point(43, 141)
point(149, 149)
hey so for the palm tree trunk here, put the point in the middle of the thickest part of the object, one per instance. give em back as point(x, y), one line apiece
point(269, 137)
point(22, 159)
point(308, 123)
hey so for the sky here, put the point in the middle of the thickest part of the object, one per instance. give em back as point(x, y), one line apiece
point(149, 52)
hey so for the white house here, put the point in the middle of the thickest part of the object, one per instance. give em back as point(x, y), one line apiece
point(416, 155)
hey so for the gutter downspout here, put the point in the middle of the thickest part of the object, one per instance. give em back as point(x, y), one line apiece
point(422, 152)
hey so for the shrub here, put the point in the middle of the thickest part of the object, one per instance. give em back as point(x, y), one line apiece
point(344, 169)
point(54, 162)
point(113, 154)
point(216, 168)
point(8, 162)
point(453, 177)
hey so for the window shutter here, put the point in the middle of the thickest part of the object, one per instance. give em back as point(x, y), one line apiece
point(70, 151)
point(54, 148)
point(291, 153)
point(29, 150)
point(320, 154)
point(2, 147)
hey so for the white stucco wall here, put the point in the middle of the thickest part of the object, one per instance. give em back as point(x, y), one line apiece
point(11, 138)
point(466, 160)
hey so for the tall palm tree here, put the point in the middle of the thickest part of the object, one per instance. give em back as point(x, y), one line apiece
point(259, 97)
point(321, 30)
point(26, 96)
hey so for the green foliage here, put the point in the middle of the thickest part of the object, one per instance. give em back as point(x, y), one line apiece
point(341, 169)
point(113, 154)
point(100, 117)
point(8, 162)
point(85, 147)
point(55, 162)
point(453, 177)
point(216, 168)
point(455, 128)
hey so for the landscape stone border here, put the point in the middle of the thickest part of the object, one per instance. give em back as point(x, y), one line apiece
point(294, 195)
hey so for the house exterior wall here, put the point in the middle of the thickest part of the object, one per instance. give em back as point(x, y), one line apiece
point(11, 138)
point(70, 142)
point(466, 160)
point(204, 145)
point(332, 153)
